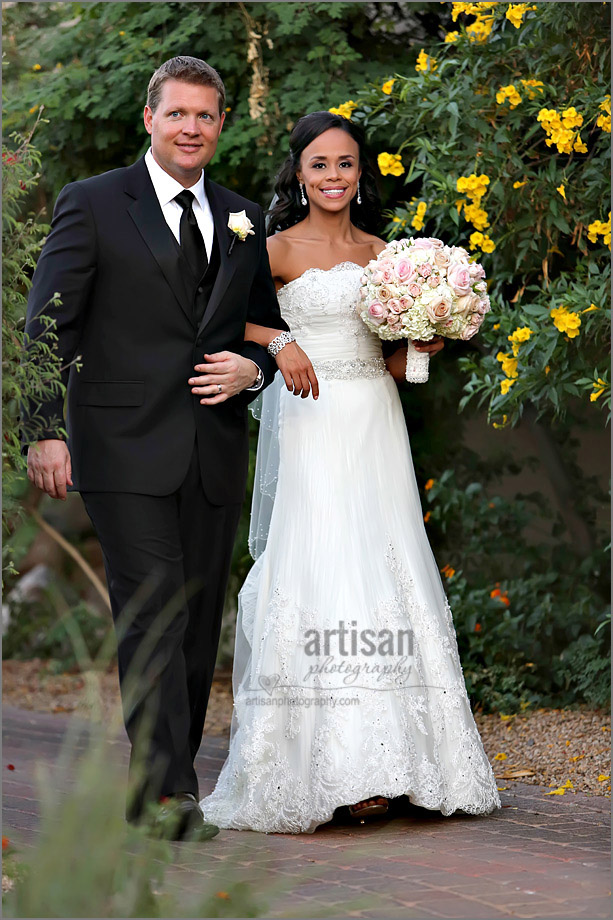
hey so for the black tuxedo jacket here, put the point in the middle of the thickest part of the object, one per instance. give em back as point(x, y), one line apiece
point(126, 310)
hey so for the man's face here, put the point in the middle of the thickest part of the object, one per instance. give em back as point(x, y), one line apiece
point(184, 129)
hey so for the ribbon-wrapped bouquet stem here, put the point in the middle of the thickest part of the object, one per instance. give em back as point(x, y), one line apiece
point(419, 287)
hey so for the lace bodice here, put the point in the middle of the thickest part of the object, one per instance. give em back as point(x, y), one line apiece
point(320, 307)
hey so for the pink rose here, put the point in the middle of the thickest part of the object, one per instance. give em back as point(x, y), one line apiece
point(468, 332)
point(483, 305)
point(437, 244)
point(438, 309)
point(465, 304)
point(434, 281)
point(405, 270)
point(393, 305)
point(384, 293)
point(481, 286)
point(406, 302)
point(441, 258)
point(414, 289)
point(476, 271)
point(377, 276)
point(425, 269)
point(459, 278)
point(377, 312)
point(423, 242)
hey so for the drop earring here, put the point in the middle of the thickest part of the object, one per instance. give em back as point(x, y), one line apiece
point(302, 197)
point(359, 198)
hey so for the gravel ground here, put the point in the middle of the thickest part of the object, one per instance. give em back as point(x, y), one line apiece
point(547, 747)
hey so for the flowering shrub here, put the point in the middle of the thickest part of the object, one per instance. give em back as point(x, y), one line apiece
point(503, 136)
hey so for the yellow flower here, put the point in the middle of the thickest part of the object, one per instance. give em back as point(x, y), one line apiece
point(473, 186)
point(500, 425)
point(505, 386)
point(33, 109)
point(604, 122)
point(532, 87)
point(521, 334)
point(602, 778)
point(37, 67)
point(387, 87)
point(509, 364)
point(508, 92)
point(122, 33)
point(519, 184)
point(580, 146)
point(479, 30)
point(547, 369)
point(566, 321)
point(452, 37)
point(425, 62)
point(488, 245)
point(605, 105)
point(390, 164)
point(500, 756)
point(589, 309)
point(345, 109)
point(477, 216)
point(429, 485)
point(599, 386)
point(516, 12)
point(560, 189)
point(496, 326)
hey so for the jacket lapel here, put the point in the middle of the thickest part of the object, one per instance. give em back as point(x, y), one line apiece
point(146, 213)
point(227, 266)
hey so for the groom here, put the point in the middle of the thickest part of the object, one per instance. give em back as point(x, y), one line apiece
point(155, 291)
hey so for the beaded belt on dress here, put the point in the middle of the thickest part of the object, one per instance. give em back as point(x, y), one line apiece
point(350, 370)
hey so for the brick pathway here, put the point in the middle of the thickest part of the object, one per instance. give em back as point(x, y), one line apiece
point(539, 856)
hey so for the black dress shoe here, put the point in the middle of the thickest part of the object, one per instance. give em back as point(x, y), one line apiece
point(179, 817)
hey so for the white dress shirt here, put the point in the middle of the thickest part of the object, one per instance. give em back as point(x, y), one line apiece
point(166, 188)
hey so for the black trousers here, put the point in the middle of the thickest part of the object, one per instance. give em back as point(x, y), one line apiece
point(167, 562)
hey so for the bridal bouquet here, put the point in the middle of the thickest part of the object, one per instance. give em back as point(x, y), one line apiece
point(419, 287)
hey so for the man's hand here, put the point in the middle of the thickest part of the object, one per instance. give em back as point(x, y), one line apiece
point(49, 467)
point(431, 346)
point(224, 375)
point(297, 370)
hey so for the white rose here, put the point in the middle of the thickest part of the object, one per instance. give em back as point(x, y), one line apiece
point(239, 223)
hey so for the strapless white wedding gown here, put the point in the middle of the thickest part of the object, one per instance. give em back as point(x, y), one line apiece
point(347, 679)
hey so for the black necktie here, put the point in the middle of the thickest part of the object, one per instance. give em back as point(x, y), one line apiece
point(192, 243)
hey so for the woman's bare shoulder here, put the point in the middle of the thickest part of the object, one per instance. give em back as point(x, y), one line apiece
point(374, 242)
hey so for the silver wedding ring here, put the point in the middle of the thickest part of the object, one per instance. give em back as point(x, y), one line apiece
point(219, 388)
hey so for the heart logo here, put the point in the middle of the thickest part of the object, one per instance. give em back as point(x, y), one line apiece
point(269, 683)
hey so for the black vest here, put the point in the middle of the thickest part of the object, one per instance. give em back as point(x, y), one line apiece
point(203, 289)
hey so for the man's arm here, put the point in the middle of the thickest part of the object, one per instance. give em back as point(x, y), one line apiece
point(66, 266)
point(263, 310)
point(233, 373)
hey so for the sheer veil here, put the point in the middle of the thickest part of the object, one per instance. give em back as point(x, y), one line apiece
point(266, 409)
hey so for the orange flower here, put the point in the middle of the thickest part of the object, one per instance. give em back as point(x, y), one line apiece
point(222, 895)
point(5, 842)
point(448, 571)
point(501, 596)
point(429, 485)
point(427, 516)
point(477, 627)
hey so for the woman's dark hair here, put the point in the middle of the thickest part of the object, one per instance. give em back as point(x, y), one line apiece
point(288, 209)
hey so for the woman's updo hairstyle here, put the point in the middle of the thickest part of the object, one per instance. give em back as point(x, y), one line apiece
point(288, 210)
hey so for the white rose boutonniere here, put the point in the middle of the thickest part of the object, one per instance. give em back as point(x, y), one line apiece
point(241, 227)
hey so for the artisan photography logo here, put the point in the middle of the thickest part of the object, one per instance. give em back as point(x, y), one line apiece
point(342, 658)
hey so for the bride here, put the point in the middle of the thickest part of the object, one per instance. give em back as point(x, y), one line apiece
point(348, 688)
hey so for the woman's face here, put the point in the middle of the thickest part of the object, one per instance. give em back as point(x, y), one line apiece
point(329, 169)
